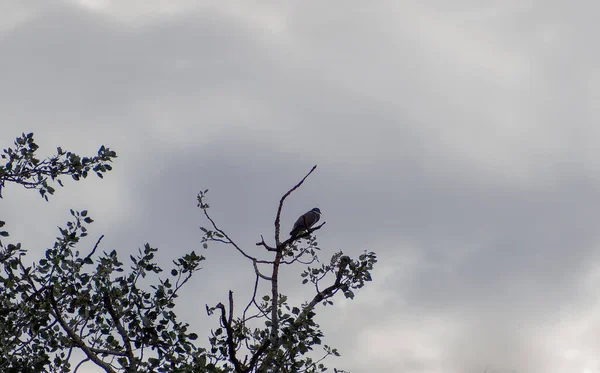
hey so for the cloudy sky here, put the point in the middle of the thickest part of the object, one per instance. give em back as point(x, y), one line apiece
point(457, 139)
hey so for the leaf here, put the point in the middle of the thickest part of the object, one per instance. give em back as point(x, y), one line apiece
point(4, 233)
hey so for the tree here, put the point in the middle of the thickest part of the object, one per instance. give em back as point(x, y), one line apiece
point(122, 320)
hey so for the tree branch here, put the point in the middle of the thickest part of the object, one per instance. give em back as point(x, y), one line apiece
point(121, 330)
point(230, 342)
point(261, 350)
point(80, 364)
point(326, 293)
point(258, 272)
point(75, 338)
point(303, 235)
point(263, 243)
point(230, 241)
point(94, 248)
point(253, 299)
point(275, 297)
point(278, 218)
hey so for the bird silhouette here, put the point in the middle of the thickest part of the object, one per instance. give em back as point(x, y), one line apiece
point(306, 221)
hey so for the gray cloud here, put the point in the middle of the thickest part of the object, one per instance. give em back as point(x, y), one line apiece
point(457, 141)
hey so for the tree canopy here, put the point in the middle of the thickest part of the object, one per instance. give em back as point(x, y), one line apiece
point(71, 309)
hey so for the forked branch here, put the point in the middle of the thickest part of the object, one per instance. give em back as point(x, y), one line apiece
point(278, 218)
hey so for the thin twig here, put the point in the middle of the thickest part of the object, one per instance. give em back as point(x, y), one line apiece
point(263, 243)
point(230, 241)
point(94, 249)
point(251, 300)
point(81, 363)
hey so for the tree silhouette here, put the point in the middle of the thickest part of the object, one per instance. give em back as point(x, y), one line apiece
point(122, 320)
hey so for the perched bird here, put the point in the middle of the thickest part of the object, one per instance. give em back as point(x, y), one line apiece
point(306, 221)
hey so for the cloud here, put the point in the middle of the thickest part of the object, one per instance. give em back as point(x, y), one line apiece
point(456, 140)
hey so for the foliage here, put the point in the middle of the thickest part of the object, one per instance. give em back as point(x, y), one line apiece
point(288, 332)
point(22, 167)
point(120, 317)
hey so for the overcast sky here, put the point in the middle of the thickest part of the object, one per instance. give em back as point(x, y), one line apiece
point(457, 139)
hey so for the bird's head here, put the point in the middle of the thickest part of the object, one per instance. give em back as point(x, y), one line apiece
point(316, 210)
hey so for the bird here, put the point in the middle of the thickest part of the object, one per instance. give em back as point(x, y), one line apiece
point(306, 221)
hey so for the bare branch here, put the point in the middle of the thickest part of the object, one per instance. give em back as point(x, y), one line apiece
point(230, 241)
point(80, 364)
point(263, 243)
point(275, 296)
point(230, 307)
point(260, 274)
point(94, 249)
point(230, 342)
point(251, 299)
point(278, 218)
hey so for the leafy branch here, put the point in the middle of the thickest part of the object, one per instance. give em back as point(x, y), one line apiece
point(289, 333)
point(23, 167)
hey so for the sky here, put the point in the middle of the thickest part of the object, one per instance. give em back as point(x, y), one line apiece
point(458, 140)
